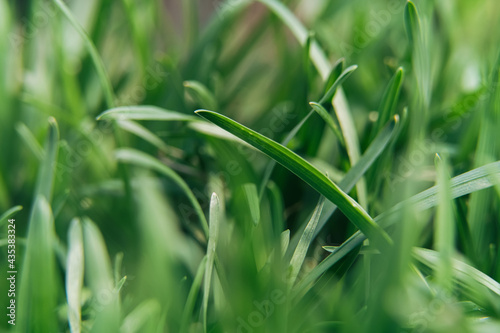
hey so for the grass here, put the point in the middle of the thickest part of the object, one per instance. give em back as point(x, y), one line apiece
point(177, 166)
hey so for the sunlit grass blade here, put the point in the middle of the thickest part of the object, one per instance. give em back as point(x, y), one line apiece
point(74, 275)
point(98, 274)
point(94, 54)
point(39, 286)
point(252, 197)
point(444, 228)
point(211, 248)
point(136, 157)
point(200, 93)
point(144, 318)
point(304, 243)
point(145, 112)
point(9, 213)
point(469, 182)
point(303, 169)
point(45, 178)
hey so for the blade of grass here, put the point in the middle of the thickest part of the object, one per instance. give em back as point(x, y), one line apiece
point(136, 157)
point(45, 178)
point(252, 197)
point(192, 296)
point(137, 319)
point(444, 229)
point(201, 94)
point(328, 120)
point(94, 54)
point(143, 113)
point(304, 243)
point(306, 172)
point(74, 275)
point(38, 290)
point(469, 182)
point(9, 213)
point(30, 140)
point(211, 248)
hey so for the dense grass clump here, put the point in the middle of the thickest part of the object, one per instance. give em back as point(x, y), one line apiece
point(250, 166)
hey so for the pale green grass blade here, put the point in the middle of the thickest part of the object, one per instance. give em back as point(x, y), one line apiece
point(99, 276)
point(137, 320)
point(192, 296)
point(305, 241)
point(337, 83)
point(252, 197)
point(211, 248)
point(45, 178)
point(201, 94)
point(143, 113)
point(303, 169)
point(94, 54)
point(284, 241)
point(211, 130)
point(136, 157)
point(444, 227)
point(74, 275)
point(469, 182)
point(9, 213)
point(277, 208)
point(328, 120)
point(39, 285)
point(30, 140)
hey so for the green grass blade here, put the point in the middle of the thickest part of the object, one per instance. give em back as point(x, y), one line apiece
point(252, 197)
point(389, 101)
point(99, 276)
point(211, 248)
point(142, 132)
point(30, 140)
point(328, 120)
point(74, 275)
point(469, 182)
point(45, 178)
point(344, 75)
point(9, 213)
point(94, 54)
point(304, 243)
point(193, 295)
point(143, 113)
point(136, 157)
point(285, 240)
point(444, 228)
point(335, 73)
point(38, 289)
point(201, 94)
point(136, 321)
point(303, 169)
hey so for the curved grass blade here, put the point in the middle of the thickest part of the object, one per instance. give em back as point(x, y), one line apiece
point(336, 84)
point(28, 137)
point(143, 113)
point(9, 213)
point(201, 94)
point(469, 182)
point(74, 275)
point(328, 120)
point(307, 172)
point(142, 132)
point(335, 73)
point(137, 320)
point(38, 290)
point(304, 243)
point(212, 246)
point(94, 54)
point(136, 157)
point(192, 296)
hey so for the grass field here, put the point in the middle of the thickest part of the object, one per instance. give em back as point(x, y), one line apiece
point(250, 166)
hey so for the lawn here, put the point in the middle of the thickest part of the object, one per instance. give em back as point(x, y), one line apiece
point(249, 166)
